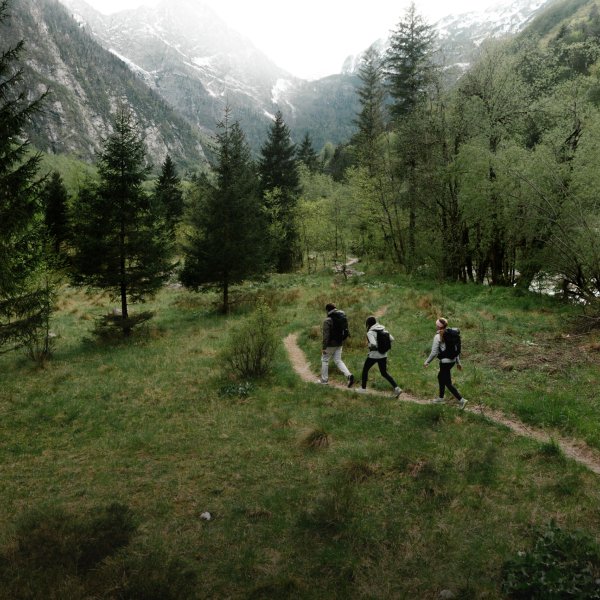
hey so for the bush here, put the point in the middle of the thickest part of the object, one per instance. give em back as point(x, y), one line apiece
point(560, 565)
point(251, 347)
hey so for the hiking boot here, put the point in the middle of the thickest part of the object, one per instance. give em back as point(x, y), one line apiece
point(438, 401)
point(397, 392)
point(462, 402)
point(361, 390)
point(322, 382)
point(350, 380)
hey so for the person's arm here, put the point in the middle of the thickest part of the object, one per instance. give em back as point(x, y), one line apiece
point(435, 348)
point(372, 340)
point(326, 332)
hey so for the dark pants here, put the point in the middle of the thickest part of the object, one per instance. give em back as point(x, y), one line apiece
point(445, 380)
point(382, 363)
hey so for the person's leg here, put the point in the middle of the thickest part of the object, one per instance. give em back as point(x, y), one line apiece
point(369, 362)
point(337, 359)
point(445, 380)
point(450, 385)
point(325, 357)
point(382, 364)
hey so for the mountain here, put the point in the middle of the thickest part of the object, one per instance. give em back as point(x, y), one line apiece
point(87, 83)
point(460, 36)
point(188, 55)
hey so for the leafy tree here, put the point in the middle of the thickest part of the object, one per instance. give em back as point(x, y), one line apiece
point(121, 242)
point(168, 195)
point(55, 199)
point(280, 187)
point(230, 230)
point(306, 154)
point(24, 303)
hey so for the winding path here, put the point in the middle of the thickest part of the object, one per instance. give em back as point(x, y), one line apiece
point(577, 450)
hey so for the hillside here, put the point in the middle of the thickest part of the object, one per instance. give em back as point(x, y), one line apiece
point(87, 83)
point(146, 469)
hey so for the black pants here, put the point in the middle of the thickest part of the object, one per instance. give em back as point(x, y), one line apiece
point(445, 380)
point(382, 363)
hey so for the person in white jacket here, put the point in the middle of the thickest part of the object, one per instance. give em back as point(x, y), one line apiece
point(376, 357)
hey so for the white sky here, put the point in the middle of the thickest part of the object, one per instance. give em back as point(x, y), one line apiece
point(311, 38)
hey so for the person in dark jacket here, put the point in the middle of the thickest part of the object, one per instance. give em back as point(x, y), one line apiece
point(332, 348)
point(376, 357)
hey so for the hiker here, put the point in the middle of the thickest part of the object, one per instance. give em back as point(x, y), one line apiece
point(448, 357)
point(378, 349)
point(335, 331)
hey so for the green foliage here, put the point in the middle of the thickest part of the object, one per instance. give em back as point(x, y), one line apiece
point(561, 564)
point(252, 345)
point(122, 241)
point(228, 239)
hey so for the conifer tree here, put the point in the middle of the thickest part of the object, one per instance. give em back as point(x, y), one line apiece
point(168, 195)
point(280, 187)
point(370, 120)
point(23, 303)
point(122, 244)
point(55, 199)
point(306, 154)
point(409, 64)
point(230, 230)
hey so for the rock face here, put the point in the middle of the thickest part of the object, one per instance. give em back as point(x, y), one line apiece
point(87, 84)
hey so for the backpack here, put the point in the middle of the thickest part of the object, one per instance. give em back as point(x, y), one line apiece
point(384, 341)
point(453, 343)
point(339, 326)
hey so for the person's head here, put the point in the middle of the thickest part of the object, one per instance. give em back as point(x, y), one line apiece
point(370, 322)
point(441, 324)
point(329, 307)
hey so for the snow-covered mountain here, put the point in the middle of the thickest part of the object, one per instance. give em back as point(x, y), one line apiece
point(460, 35)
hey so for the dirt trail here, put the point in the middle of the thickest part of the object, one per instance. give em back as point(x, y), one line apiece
point(575, 449)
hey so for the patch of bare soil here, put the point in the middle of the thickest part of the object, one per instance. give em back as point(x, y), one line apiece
point(575, 449)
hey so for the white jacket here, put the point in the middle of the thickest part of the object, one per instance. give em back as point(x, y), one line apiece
point(438, 346)
point(372, 338)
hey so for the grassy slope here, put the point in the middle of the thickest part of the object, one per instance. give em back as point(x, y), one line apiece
point(404, 502)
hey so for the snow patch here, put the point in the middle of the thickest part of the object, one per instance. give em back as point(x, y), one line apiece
point(281, 87)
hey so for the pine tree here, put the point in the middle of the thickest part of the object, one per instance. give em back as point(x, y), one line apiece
point(168, 195)
point(230, 229)
point(55, 199)
point(121, 244)
point(280, 187)
point(23, 303)
point(306, 154)
point(409, 62)
point(370, 120)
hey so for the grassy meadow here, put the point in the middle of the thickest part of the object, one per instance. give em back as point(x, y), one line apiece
point(112, 453)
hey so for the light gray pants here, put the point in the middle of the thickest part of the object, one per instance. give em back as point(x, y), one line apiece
point(334, 352)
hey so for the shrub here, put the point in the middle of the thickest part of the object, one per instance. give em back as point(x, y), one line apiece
point(560, 565)
point(251, 346)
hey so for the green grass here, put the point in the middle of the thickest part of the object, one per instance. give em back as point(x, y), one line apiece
point(313, 492)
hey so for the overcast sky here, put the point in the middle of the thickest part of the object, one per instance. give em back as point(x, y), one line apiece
point(311, 38)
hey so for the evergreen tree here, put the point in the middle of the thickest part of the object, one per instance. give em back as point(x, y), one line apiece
point(370, 120)
point(230, 229)
point(306, 154)
point(23, 303)
point(55, 199)
point(168, 195)
point(409, 64)
point(280, 187)
point(122, 244)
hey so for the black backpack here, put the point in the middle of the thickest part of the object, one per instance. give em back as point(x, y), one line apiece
point(339, 326)
point(384, 341)
point(452, 341)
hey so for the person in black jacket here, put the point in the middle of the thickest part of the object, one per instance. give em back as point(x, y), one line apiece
point(333, 340)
